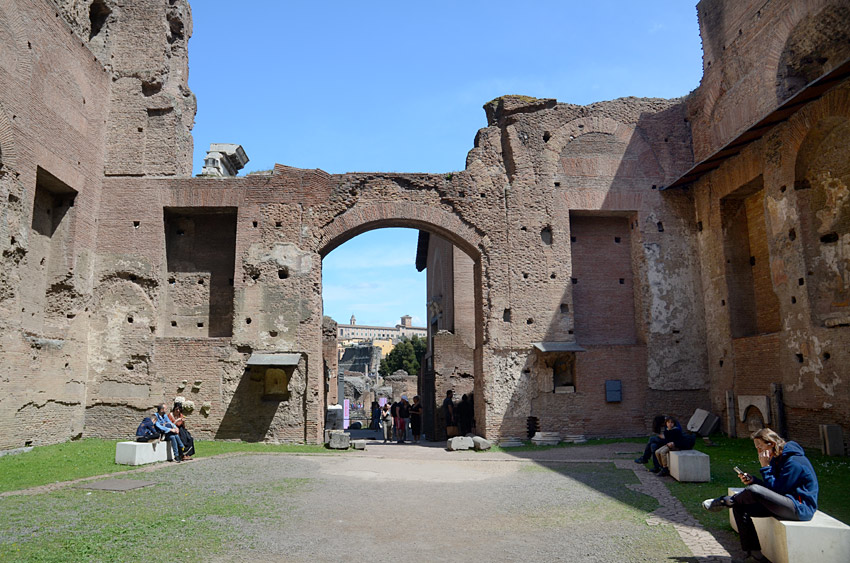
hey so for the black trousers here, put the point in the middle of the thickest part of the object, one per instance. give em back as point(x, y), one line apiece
point(757, 501)
point(654, 443)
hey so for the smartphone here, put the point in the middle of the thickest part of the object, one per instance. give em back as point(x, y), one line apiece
point(738, 470)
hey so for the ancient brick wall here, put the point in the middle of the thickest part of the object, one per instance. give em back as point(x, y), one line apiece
point(330, 359)
point(757, 55)
point(806, 352)
point(95, 148)
point(603, 290)
point(143, 44)
point(604, 160)
point(51, 132)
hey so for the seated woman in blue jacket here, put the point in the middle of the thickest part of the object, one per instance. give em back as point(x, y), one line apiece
point(787, 490)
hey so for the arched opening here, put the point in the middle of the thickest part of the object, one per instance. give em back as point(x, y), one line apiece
point(822, 177)
point(403, 299)
point(818, 44)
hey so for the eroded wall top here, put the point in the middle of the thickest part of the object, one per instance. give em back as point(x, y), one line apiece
point(144, 45)
point(757, 55)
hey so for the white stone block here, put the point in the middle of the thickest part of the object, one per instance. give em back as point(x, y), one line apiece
point(459, 443)
point(823, 539)
point(732, 491)
point(690, 466)
point(140, 453)
point(358, 444)
point(480, 443)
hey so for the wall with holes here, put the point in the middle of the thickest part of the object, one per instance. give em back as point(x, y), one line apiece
point(52, 123)
point(127, 283)
point(773, 253)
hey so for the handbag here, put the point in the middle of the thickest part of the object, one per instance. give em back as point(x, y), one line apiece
point(452, 431)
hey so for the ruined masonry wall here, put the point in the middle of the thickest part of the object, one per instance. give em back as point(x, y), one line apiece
point(808, 353)
point(143, 44)
point(51, 117)
point(103, 246)
point(755, 56)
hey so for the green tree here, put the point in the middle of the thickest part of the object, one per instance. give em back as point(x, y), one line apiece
point(406, 355)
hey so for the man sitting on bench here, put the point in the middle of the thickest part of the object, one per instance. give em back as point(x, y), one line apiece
point(164, 425)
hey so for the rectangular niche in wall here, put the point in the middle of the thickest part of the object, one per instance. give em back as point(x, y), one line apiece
point(603, 289)
point(200, 248)
point(50, 256)
point(753, 305)
point(563, 372)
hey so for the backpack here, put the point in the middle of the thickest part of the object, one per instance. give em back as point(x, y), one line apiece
point(147, 431)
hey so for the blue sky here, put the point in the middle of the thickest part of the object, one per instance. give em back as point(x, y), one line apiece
point(398, 86)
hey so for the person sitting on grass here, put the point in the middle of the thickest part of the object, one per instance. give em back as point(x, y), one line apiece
point(787, 490)
point(170, 431)
point(674, 440)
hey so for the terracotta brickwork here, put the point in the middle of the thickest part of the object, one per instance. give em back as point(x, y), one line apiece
point(800, 328)
point(125, 282)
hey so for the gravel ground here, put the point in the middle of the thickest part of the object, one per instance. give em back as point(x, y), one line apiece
point(435, 505)
point(421, 503)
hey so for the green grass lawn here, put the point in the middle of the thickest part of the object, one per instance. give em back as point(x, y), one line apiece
point(832, 472)
point(92, 456)
point(169, 519)
point(833, 476)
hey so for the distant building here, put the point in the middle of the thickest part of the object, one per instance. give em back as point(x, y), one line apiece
point(405, 329)
point(360, 359)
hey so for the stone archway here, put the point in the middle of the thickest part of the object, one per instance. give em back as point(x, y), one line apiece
point(367, 217)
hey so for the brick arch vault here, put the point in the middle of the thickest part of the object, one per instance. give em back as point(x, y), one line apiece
point(367, 216)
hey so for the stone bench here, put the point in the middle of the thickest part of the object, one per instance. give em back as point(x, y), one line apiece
point(690, 466)
point(822, 539)
point(140, 453)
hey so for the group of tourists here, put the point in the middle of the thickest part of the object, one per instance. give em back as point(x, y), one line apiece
point(786, 490)
point(169, 426)
point(399, 420)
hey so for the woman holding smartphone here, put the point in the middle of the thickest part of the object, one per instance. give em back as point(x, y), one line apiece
point(787, 490)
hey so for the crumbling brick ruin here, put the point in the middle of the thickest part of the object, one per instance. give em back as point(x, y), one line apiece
point(695, 250)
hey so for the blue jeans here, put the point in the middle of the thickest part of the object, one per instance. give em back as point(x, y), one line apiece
point(176, 444)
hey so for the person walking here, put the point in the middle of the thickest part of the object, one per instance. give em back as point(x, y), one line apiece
point(387, 422)
point(394, 411)
point(375, 422)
